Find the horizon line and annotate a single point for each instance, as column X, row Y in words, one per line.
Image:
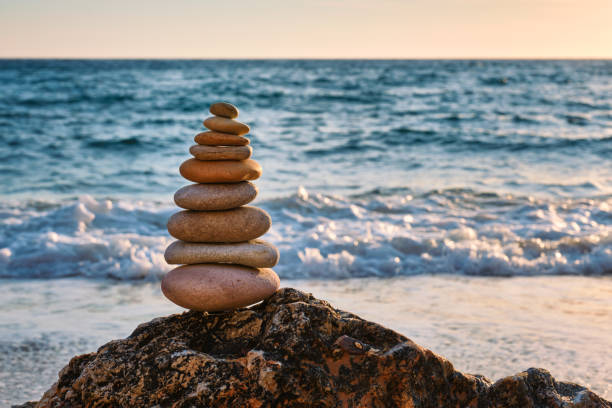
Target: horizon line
column 308, row 58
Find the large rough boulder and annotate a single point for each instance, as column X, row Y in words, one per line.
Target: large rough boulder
column 293, row 350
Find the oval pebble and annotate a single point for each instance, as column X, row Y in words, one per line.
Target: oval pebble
column 225, row 125
column 256, row 253
column 210, row 138
column 220, row 171
column 211, row 197
column 224, row 109
column 201, row 152
column 237, row 225
column 215, row 287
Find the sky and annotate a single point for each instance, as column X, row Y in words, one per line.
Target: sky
column 306, row 29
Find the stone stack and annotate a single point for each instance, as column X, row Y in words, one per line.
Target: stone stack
column 225, row 266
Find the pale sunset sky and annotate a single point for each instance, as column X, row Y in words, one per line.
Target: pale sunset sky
column 306, row 29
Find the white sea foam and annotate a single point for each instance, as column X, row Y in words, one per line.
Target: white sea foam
column 323, row 236
column 86, row 237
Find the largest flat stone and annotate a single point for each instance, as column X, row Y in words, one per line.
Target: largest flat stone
column 220, row 171
column 213, row 287
column 211, row 197
column 237, row 225
column 257, row 253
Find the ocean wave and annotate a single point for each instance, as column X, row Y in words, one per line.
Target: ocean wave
column 101, row 127
column 486, row 140
column 577, row 120
column 121, row 129
column 524, row 119
column 115, row 143
column 495, row 81
column 69, row 98
column 384, row 232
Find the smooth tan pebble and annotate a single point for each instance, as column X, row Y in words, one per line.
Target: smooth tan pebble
column 210, row 138
column 215, row 287
column 237, row 225
column 227, row 110
column 210, row 197
column 220, row 171
column 226, row 126
column 256, row 253
column 201, row 152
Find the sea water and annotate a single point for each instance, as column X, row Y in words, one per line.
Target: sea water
column 466, row 204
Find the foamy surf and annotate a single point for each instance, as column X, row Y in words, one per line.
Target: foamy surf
column 381, row 233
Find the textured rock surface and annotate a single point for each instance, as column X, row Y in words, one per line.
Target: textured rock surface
column 292, row 351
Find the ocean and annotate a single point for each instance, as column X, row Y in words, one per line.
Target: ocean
column 466, row 204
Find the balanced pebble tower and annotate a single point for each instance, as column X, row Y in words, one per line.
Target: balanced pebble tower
column 224, row 265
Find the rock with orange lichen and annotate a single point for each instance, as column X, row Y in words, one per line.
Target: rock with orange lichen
column 292, row 350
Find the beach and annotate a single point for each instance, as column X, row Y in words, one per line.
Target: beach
column 465, row 204
column 491, row 326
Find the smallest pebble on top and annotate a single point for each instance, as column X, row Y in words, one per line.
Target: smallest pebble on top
column 224, row 109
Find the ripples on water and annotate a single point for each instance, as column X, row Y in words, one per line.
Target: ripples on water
column 320, row 236
column 371, row 168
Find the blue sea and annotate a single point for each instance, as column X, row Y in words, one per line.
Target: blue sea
column 467, row 204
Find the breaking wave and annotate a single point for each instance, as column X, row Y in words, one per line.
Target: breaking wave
column 380, row 233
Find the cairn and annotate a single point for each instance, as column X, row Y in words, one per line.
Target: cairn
column 224, row 265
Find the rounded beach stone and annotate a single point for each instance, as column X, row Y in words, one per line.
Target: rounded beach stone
column 227, row 110
column 210, row 138
column 237, row 225
column 220, row 171
column 214, row 287
column 256, row 253
column 226, row 126
column 211, row 197
column 201, row 152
